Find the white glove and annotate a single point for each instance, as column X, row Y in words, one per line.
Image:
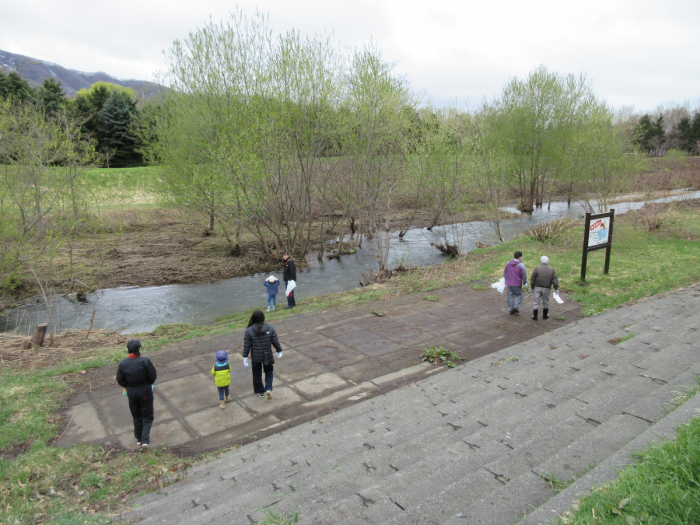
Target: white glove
column 279, row 355
column 245, row 361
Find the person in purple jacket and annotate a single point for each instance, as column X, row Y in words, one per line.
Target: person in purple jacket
column 515, row 275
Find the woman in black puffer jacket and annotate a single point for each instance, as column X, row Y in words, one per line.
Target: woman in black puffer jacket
column 259, row 339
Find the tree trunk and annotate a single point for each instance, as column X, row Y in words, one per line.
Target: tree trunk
column 38, row 337
column 262, row 239
column 340, row 241
column 358, row 238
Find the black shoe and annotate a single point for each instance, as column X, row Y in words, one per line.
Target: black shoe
column 545, row 313
column 288, row 306
column 511, row 312
column 516, row 311
column 534, row 315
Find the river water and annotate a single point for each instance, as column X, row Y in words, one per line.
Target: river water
column 135, row 309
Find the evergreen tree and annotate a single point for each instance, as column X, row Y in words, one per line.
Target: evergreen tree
column 649, row 134
column 50, row 97
column 695, row 133
column 116, row 139
column 15, row 87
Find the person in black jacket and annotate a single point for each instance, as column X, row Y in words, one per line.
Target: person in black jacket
column 137, row 374
column 258, row 341
column 290, row 274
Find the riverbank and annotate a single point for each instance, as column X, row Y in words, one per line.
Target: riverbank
column 33, row 390
column 129, row 237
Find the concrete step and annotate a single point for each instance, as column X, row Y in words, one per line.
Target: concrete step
column 194, row 489
column 256, row 466
column 512, row 464
column 272, row 485
column 477, row 440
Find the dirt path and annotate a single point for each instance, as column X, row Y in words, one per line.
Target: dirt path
column 330, row 361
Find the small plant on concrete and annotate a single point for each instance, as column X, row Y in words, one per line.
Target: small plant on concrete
column 479, row 287
column 618, row 340
column 684, row 396
column 433, row 298
column 555, row 483
column 505, row 360
column 440, row 355
column 560, row 318
column 378, row 314
column 272, row 517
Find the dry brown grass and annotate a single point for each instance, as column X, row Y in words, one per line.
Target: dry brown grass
column 68, row 346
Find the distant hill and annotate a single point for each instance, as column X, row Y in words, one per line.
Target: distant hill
column 35, row 71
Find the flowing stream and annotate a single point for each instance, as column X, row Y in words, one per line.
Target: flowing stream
column 135, row 309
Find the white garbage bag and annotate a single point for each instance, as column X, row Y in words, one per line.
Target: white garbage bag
column 500, row 285
column 557, row 298
column 290, row 287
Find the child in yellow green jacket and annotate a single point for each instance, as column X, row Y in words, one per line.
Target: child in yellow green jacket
column 222, row 376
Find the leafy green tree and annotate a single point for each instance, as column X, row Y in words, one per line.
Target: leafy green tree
column 116, row 141
column 15, row 87
column 378, row 142
column 41, row 162
column 534, row 117
column 601, row 159
column 98, row 92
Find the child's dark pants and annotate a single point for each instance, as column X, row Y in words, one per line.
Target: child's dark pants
column 223, row 391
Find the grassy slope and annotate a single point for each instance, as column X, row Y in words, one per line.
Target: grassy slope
column 120, row 187
column 662, row 487
column 642, row 265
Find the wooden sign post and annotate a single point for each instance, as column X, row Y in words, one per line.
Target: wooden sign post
column 598, row 235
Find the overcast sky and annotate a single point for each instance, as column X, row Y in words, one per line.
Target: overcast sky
column 637, row 52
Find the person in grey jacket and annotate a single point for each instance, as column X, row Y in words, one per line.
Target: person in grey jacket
column 258, row 340
column 542, row 280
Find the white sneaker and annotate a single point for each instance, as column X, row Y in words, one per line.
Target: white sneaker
column 144, row 447
column 268, row 394
column 268, row 308
column 273, row 308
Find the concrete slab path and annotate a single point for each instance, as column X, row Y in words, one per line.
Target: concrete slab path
column 331, row 360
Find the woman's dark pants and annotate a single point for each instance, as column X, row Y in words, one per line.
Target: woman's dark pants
column 257, row 377
column 290, row 300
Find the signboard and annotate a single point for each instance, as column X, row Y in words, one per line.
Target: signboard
column 598, row 235
column 598, row 232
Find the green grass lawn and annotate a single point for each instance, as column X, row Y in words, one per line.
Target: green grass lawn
column 662, row 487
column 88, row 478
column 121, row 187
column 641, row 265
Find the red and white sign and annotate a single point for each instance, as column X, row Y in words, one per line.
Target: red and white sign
column 598, row 234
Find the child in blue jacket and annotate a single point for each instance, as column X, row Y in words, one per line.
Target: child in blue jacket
column 272, row 284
